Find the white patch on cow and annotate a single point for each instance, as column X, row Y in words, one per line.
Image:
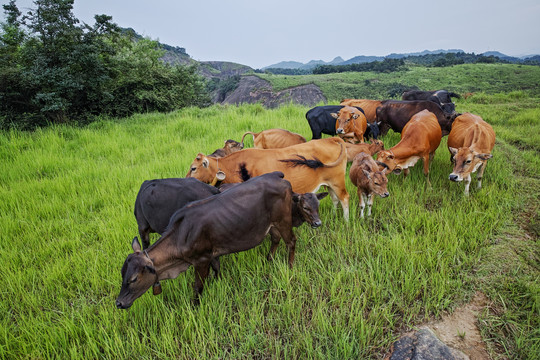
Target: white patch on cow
column 477, row 166
column 410, row 162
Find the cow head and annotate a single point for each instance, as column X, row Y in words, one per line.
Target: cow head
column 376, row 146
column 388, row 159
column 308, row 206
column 200, row 169
column 466, row 161
column 373, row 130
column 377, row 181
column 138, row 275
column 345, row 119
column 232, row 146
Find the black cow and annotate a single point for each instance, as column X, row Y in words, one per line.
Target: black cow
column 158, row 199
column 394, row 114
column 322, row 122
column 236, row 220
column 441, row 97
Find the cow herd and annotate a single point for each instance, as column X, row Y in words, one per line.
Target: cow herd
column 231, row 199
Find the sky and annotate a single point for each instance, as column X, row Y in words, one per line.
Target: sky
column 262, row 33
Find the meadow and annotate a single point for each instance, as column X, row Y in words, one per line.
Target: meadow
column 66, row 214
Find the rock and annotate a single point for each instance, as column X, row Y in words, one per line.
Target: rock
column 424, row 345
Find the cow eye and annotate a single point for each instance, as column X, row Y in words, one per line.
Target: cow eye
column 133, row 280
column 193, row 169
column 468, row 162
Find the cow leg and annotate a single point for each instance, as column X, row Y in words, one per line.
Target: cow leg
column 275, row 236
column 144, row 232
column 467, row 182
column 362, row 203
column 426, row 161
column 369, row 203
column 405, row 172
column 201, row 273
column 333, row 195
column 480, row 175
column 340, row 192
column 215, row 266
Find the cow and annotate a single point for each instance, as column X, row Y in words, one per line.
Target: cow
column 442, row 96
column 230, row 147
column 369, row 107
column 371, row 148
column 158, row 199
column 322, row 122
column 307, row 166
column 420, row 138
column 368, row 179
column 236, row 220
column 470, row 144
column 350, row 120
column 274, row 139
column 394, row 114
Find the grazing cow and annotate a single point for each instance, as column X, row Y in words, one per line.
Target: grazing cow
column 368, row 179
column 420, row 138
column 369, row 107
column 395, row 114
column 322, row 122
column 230, row 147
column 350, row 120
column 442, row 96
column 470, row 144
column 233, row 221
column 274, row 139
column 158, row 199
column 307, row 166
column 371, row 148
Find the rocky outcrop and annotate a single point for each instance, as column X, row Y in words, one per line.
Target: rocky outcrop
column 252, row 90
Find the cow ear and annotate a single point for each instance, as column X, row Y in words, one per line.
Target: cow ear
column 452, row 150
column 366, row 173
column 484, row 156
column 135, row 245
column 295, row 197
column 205, row 162
column 334, row 115
column 355, row 116
column 322, row 195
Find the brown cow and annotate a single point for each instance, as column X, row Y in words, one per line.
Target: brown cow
column 307, row 166
column 236, row 220
column 368, row 179
column 369, row 107
column 351, row 120
column 274, row 139
column 230, row 147
column 470, row 144
column 420, row 138
column 371, row 148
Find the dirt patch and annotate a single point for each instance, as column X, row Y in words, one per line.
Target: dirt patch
column 252, row 89
column 459, row 330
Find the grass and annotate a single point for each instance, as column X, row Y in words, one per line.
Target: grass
column 66, row 214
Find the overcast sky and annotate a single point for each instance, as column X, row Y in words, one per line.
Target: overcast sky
column 261, row 33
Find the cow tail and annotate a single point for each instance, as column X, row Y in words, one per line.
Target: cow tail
column 246, row 133
column 339, row 160
column 453, row 94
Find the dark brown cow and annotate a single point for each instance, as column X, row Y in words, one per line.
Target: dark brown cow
column 420, row 138
column 368, row 179
column 274, row 139
column 230, row 147
column 236, row 220
column 371, row 148
column 351, row 120
column 470, row 144
column 395, row 114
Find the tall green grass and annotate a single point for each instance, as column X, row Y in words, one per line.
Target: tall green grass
column 66, row 215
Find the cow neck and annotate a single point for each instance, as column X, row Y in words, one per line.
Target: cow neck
column 164, row 257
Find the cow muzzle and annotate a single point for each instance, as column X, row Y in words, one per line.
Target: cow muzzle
column 386, row 194
column 316, row 224
column 121, row 305
column 340, row 131
column 454, row 177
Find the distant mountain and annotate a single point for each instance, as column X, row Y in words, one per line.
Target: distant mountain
column 366, row 59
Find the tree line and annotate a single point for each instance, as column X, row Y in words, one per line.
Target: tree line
column 54, row 69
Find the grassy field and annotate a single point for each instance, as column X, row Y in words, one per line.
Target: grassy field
column 486, row 78
column 66, row 214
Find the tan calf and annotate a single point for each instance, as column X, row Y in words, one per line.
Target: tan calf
column 351, row 120
column 274, row 139
column 370, row 148
column 369, row 107
column 368, row 179
column 420, row 138
column 470, row 143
